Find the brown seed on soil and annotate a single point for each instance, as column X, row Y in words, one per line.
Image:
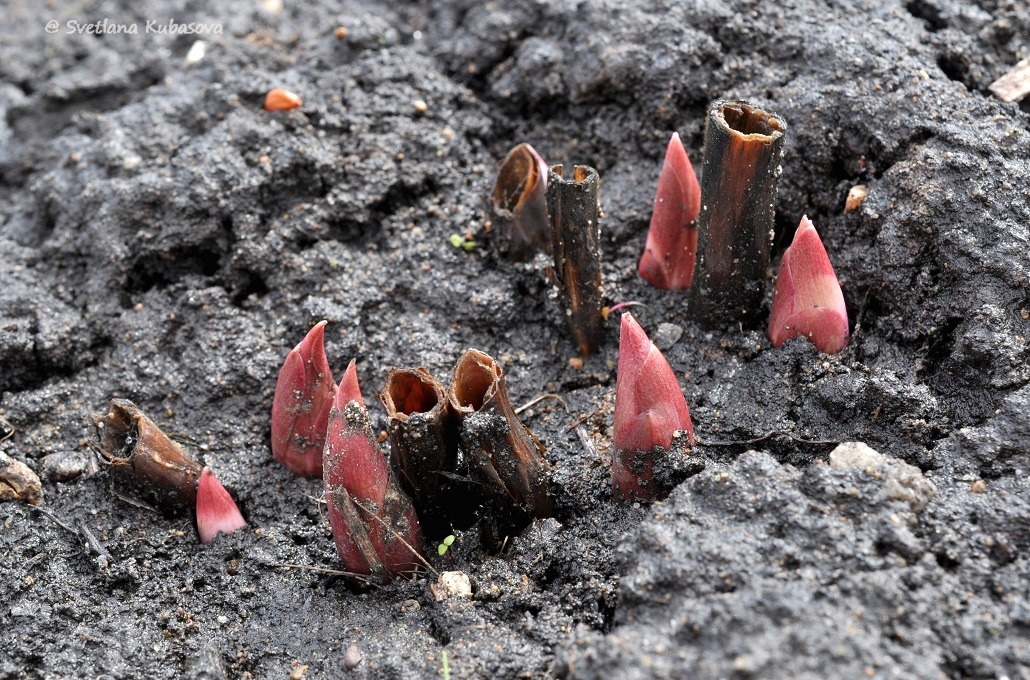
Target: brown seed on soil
column 281, row 100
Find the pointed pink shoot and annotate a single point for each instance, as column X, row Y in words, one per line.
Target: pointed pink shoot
column 300, row 410
column 216, row 510
column 352, row 459
column 649, row 409
column 668, row 259
column 349, row 390
column 808, row 300
column 374, row 524
column 649, row 404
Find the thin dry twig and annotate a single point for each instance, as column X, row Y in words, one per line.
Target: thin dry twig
column 768, row 435
column 134, row 502
column 537, row 400
column 582, row 420
column 11, row 429
column 53, row 517
column 396, row 535
column 324, row 570
column 94, row 543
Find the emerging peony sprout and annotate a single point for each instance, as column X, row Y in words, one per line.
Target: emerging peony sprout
column 349, row 390
column 519, row 203
column 649, row 409
column 216, row 510
column 808, row 300
column 668, row 259
column 300, row 410
column 374, row 524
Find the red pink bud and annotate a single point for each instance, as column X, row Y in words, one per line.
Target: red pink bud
column 216, row 510
column 649, row 409
column 349, row 390
column 300, row 410
column 808, row 300
column 668, row 260
column 374, row 524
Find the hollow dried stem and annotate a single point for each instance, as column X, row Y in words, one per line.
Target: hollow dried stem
column 505, row 456
column 575, row 211
column 742, row 155
column 138, row 450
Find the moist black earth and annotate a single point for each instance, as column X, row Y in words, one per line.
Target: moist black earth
column 166, row 240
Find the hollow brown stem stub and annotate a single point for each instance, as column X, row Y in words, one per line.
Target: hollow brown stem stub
column 422, row 444
column 137, row 449
column 518, row 205
column 505, row 457
column 742, row 153
column 575, row 211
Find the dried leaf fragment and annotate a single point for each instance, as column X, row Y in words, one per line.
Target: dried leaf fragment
column 18, row 482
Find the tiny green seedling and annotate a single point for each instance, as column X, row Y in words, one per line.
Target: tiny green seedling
column 446, row 661
column 447, row 543
column 459, row 241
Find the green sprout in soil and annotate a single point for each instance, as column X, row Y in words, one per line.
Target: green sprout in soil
column 459, row 241
column 447, row 542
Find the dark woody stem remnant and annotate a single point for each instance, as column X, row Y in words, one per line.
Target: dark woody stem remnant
column 519, row 205
column 742, row 154
column 505, row 457
column 137, row 449
column 575, row 210
column 423, row 444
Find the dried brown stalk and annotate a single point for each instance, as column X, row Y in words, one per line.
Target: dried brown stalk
column 138, row 450
column 575, row 211
column 742, row 154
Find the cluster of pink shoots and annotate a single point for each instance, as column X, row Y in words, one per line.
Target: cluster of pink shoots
column 807, row 300
column 321, row 430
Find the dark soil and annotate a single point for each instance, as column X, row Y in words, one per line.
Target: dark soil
column 165, row 240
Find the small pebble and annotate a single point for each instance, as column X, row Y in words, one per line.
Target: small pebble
column 351, row 658
column 196, row 53
column 451, row 584
column 65, row 465
column 420, row 105
column 667, row 335
column 855, row 198
column 979, row 486
column 341, row 33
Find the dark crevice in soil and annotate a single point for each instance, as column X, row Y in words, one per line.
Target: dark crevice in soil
column 928, row 13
